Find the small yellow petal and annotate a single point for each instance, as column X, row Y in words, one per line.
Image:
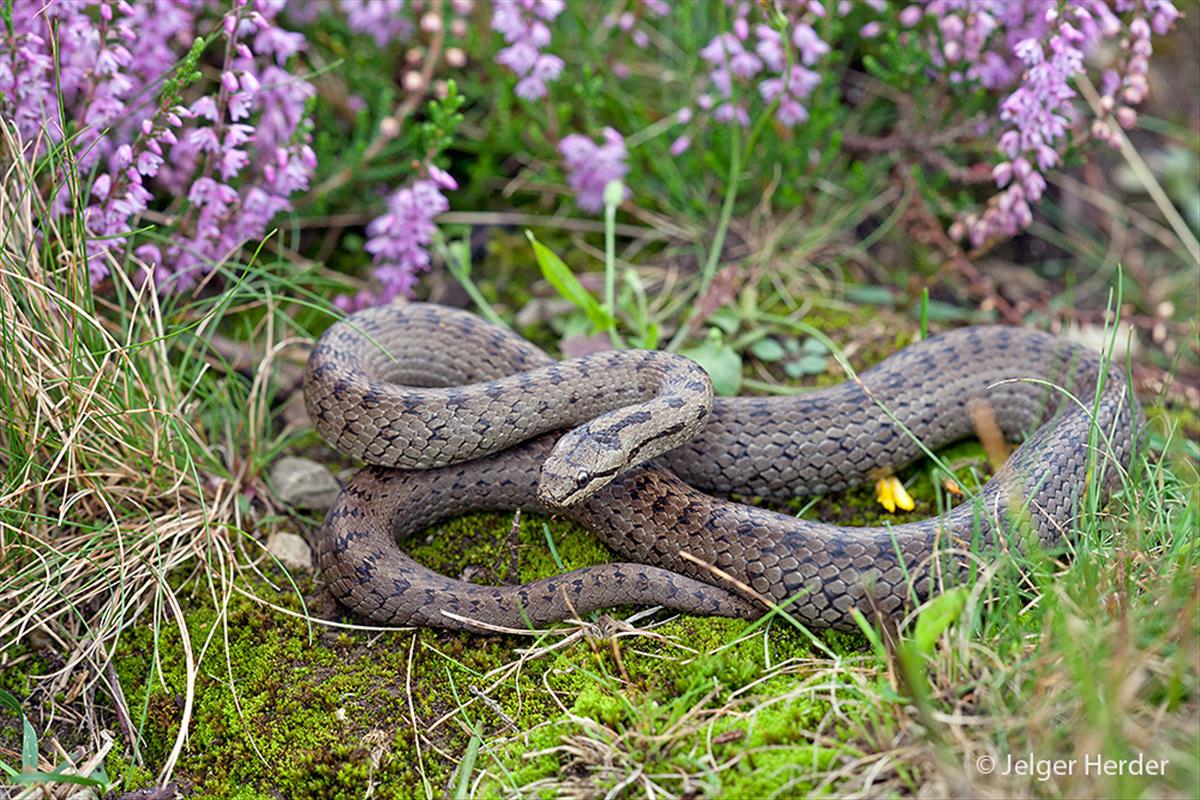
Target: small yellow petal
column 891, row 494
column 884, row 493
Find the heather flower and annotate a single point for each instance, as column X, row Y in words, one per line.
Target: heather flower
column 1050, row 48
column 811, row 48
column 590, row 166
column 399, row 239
column 522, row 23
column 384, row 20
column 236, row 154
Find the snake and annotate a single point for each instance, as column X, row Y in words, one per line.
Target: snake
column 454, row 414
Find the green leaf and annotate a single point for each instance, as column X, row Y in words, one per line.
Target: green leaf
column 568, row 286
column 29, row 744
column 870, row 294
column 649, row 340
column 722, row 363
column 726, row 319
column 815, row 345
column 936, row 617
column 466, row 767
column 808, row 364
column 768, row 350
column 938, row 311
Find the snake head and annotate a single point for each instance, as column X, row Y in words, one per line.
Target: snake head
column 580, row 465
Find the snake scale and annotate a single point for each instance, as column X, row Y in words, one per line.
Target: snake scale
column 455, row 414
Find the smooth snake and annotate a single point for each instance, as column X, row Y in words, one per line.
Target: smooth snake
column 455, row 414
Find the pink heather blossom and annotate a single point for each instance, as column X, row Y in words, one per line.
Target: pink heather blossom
column 1047, row 44
column 632, row 21
column 811, row 48
column 590, row 166
column 399, row 240
column 522, row 23
column 112, row 58
column 384, row 20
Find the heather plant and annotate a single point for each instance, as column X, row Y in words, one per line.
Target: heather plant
column 183, row 100
column 198, row 118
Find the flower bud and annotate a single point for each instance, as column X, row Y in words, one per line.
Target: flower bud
column 1002, row 173
column 1126, row 117
column 910, row 16
column 431, row 22
column 614, row 193
column 455, row 57
column 413, row 82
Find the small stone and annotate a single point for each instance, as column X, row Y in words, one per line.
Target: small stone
column 303, row 483
column 291, row 550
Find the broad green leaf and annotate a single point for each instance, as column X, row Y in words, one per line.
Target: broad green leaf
column 936, row 617
column 568, row 286
column 722, row 363
column 726, row 319
column 809, row 364
column 768, row 350
column 815, row 345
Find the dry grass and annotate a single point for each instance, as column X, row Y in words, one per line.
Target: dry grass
column 110, row 481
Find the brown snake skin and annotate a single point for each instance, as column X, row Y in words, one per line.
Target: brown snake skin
column 480, row 441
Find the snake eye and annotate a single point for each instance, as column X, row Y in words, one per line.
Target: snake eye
column 581, row 477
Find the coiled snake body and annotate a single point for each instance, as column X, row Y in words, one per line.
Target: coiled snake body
column 459, row 415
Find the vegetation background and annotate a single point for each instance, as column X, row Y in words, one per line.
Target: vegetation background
column 161, row 631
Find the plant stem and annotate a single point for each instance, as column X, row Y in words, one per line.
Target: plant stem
column 718, row 242
column 610, row 272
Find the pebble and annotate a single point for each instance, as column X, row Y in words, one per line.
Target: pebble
column 291, row 550
column 303, row 483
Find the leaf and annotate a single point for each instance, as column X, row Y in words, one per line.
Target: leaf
column 936, row 617
column 808, row 364
column 649, row 340
column 870, row 294
column 568, row 286
column 29, row 744
column 938, row 311
column 722, row 363
column 726, row 319
column 815, row 345
column 768, row 350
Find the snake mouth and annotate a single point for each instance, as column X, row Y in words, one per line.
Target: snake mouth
column 562, row 491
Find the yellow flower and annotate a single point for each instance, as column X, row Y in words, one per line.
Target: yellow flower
column 891, row 494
